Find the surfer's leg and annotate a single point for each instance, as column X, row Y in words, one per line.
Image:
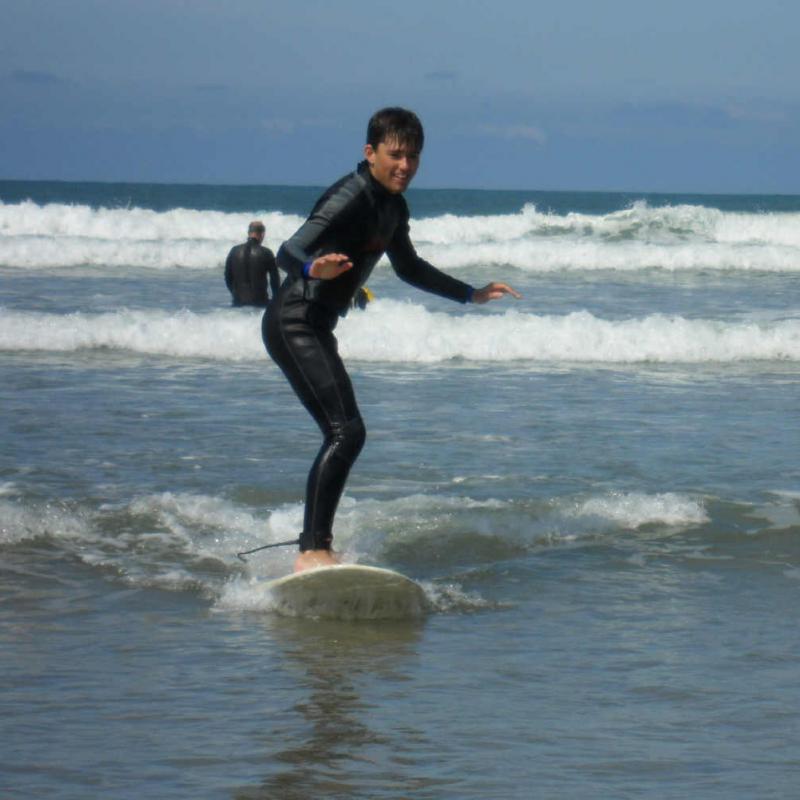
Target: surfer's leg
column 307, row 354
column 326, row 480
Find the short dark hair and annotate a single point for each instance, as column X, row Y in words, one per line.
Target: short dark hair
column 396, row 123
column 256, row 226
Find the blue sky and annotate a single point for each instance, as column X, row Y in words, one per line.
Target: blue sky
column 682, row 96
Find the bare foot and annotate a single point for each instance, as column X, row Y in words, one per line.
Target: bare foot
column 311, row 559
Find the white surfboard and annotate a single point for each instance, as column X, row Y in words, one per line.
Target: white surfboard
column 348, row 591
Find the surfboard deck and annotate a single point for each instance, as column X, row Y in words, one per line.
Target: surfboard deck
column 348, row 591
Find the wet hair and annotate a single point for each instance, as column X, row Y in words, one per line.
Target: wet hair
column 256, row 227
column 396, row 123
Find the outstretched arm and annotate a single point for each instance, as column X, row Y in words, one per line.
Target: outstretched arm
column 418, row 272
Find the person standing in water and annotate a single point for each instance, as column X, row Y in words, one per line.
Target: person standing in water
column 247, row 267
column 330, row 257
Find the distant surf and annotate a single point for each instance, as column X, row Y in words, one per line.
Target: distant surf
column 673, row 238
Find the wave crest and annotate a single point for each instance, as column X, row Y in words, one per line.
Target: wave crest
column 681, row 237
column 391, row 331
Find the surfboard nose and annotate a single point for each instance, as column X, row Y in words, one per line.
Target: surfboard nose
column 348, row 592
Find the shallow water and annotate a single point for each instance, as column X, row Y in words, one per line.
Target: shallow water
column 597, row 487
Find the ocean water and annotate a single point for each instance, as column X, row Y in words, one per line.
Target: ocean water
column 597, row 485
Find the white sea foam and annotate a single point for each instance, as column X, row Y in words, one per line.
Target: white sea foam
column 60, row 235
column 665, row 224
column 634, row 509
column 682, row 237
column 20, row 522
column 184, row 541
column 216, row 528
column 167, row 524
column 589, row 254
column 392, row 331
column 222, row 335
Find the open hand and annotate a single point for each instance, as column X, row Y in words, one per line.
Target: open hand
column 493, row 291
column 330, row 266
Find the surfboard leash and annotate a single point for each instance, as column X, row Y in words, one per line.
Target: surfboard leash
column 241, row 556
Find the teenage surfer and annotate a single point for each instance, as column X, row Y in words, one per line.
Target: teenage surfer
column 247, row 267
column 328, row 260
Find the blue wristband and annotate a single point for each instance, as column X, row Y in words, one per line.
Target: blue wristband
column 471, row 292
column 307, row 268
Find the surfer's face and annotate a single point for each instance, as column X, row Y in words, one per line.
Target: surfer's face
column 392, row 164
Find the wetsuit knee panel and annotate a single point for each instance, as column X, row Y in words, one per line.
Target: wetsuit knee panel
column 348, row 439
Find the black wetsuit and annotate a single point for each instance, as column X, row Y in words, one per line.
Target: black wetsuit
column 246, row 270
column 361, row 219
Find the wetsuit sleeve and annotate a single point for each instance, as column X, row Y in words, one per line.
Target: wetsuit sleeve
column 418, row 272
column 274, row 277
column 332, row 210
column 229, row 270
